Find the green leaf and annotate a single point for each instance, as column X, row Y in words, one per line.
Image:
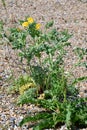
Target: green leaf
column 80, row 52
column 47, row 123
column 79, row 79
column 38, row 116
column 49, row 24
column 28, row 97
column 68, row 116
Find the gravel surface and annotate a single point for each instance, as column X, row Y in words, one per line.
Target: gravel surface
column 67, row 14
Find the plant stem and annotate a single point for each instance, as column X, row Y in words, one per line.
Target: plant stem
column 40, row 61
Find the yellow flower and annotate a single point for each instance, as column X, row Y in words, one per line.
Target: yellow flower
column 38, row 25
column 25, row 24
column 42, row 96
column 30, row 20
column 25, row 87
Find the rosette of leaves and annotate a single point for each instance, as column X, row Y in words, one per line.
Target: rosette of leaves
column 72, row 113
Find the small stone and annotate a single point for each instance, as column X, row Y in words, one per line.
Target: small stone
column 81, row 94
column 1, row 110
column 12, row 119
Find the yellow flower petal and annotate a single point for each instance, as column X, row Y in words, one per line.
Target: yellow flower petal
column 42, row 96
column 25, row 24
column 38, row 25
column 30, row 20
column 25, row 87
